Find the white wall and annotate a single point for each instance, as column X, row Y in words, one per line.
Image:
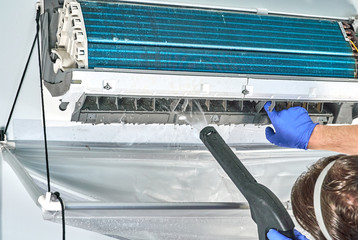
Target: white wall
column 18, row 30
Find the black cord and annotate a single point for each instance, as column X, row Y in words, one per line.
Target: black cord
column 20, row 85
column 42, row 100
column 57, row 194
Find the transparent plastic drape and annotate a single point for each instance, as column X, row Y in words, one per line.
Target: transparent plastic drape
column 157, row 192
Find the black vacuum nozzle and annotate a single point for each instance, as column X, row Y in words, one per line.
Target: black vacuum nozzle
column 266, row 209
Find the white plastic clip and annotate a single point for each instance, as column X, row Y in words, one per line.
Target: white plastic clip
column 262, row 11
column 40, row 5
column 47, row 203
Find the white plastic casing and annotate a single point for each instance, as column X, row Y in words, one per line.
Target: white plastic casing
column 71, row 48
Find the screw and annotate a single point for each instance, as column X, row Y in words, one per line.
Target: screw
column 245, row 92
column 107, row 87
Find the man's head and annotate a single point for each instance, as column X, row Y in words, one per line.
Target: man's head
column 339, row 198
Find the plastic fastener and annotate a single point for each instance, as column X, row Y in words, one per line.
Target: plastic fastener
column 48, row 204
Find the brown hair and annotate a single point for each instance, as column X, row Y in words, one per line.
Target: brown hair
column 339, row 198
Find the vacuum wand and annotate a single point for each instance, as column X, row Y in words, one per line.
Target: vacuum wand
column 266, row 209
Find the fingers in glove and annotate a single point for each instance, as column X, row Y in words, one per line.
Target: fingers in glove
column 270, row 135
column 299, row 236
column 267, row 109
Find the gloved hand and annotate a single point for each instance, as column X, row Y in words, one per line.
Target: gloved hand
column 275, row 235
column 293, row 127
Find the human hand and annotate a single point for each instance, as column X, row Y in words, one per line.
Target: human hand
column 275, row 235
column 293, row 127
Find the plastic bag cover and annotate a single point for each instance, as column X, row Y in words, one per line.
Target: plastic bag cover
column 147, row 176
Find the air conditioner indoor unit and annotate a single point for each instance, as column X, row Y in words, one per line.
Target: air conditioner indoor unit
column 147, row 63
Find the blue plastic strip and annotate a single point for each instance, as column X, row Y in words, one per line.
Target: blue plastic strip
column 179, row 39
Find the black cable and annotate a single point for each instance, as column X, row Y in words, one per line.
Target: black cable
column 57, row 194
column 22, row 80
column 42, row 100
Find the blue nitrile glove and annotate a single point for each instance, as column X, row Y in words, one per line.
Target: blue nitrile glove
column 275, row 235
column 293, row 127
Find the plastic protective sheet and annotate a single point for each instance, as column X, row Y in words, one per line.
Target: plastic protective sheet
column 158, row 192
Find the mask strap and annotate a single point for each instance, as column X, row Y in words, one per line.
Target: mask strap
column 317, row 200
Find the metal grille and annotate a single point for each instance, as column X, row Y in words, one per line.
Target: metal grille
column 139, row 110
column 178, row 39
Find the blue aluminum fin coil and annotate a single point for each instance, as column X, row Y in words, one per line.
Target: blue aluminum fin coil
column 179, row 39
